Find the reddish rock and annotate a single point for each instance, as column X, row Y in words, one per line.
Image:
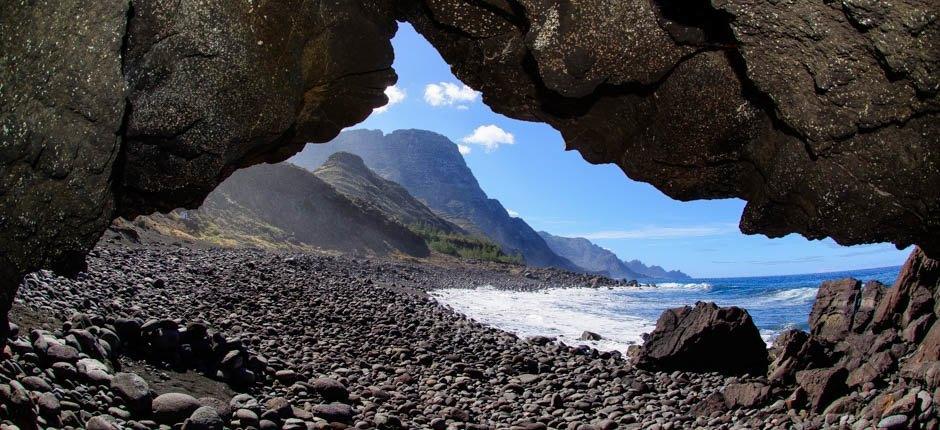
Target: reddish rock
column 926, row 355
column 834, row 309
column 870, row 370
column 704, row 338
column 795, row 350
column 822, row 386
column 872, row 293
column 714, row 402
column 908, row 297
column 746, row 395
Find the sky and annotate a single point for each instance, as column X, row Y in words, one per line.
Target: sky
column 525, row 166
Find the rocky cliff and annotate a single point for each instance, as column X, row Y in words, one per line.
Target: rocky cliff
column 429, row 166
column 348, row 175
column 591, row 257
column 281, row 205
column 822, row 116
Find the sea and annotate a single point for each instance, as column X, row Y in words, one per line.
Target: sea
column 622, row 314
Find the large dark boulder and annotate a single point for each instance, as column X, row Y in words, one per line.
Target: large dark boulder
column 704, row 338
column 822, row 386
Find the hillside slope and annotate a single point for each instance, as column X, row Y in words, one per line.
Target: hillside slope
column 430, row 167
column 275, row 205
column 348, row 175
column 591, row 257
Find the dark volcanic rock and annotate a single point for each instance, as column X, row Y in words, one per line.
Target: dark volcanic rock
column 705, row 338
column 789, row 98
column 795, row 350
column 172, row 408
column 823, row 117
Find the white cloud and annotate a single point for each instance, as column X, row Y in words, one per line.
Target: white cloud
column 513, row 213
column 654, row 232
column 464, row 149
column 489, row 137
column 395, row 96
column 449, row 94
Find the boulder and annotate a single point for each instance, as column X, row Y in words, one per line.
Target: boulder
column 329, row 388
column 333, row 412
column 204, row 418
column 173, row 408
column 704, row 338
column 134, row 390
column 795, row 350
column 822, row 386
column 908, row 298
column 872, row 292
column 714, row 402
column 589, row 335
column 746, row 395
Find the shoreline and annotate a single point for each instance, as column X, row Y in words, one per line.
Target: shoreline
column 371, row 326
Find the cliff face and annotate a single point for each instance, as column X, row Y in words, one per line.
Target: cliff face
column 348, row 174
column 429, row 166
column 280, row 204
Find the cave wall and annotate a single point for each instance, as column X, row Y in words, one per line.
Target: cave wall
column 823, row 116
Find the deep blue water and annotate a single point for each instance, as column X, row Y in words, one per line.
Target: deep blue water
column 774, row 302
column 621, row 315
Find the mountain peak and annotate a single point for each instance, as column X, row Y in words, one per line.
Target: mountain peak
column 429, row 166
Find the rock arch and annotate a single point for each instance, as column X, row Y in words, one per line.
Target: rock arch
column 824, row 117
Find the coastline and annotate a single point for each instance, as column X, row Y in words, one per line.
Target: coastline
column 370, row 325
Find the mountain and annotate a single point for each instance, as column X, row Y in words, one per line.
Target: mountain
column 591, row 257
column 431, row 169
column 655, row 271
column 586, row 254
column 278, row 205
column 348, row 175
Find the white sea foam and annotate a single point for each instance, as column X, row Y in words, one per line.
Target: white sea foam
column 701, row 286
column 795, row 295
column 563, row 313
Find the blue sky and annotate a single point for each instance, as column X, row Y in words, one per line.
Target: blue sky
column 525, row 166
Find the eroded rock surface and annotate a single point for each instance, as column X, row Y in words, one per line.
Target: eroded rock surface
column 823, row 116
column 864, row 338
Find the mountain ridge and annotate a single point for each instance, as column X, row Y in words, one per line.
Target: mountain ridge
column 592, row 257
column 430, row 167
column 282, row 205
column 349, row 175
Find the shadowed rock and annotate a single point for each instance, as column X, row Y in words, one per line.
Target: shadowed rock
column 822, row 116
column 704, row 338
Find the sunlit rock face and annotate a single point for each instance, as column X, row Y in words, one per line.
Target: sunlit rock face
column 823, row 116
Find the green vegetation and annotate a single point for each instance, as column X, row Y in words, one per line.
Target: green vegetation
column 463, row 246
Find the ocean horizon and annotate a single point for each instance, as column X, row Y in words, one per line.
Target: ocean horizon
column 621, row 315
